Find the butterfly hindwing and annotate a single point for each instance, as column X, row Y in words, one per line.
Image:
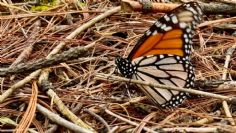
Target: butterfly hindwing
column 170, row 70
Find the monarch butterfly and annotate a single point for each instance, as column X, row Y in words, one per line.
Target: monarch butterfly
column 162, row 55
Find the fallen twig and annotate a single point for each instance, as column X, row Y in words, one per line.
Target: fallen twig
column 99, row 118
column 65, row 111
column 42, row 63
column 116, row 78
column 128, row 121
column 60, row 121
column 192, row 129
column 225, row 71
column 208, row 8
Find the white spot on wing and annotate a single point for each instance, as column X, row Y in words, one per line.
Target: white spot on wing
column 174, row 19
column 163, row 26
column 161, row 56
column 148, row 33
column 188, row 30
column 168, row 28
column 158, row 24
column 154, row 32
column 167, row 18
column 182, row 25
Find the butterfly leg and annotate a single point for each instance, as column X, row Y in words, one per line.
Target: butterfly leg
column 127, row 91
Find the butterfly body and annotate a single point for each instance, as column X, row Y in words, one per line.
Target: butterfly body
column 162, row 55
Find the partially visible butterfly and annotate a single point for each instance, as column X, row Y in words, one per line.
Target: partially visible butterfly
column 162, row 55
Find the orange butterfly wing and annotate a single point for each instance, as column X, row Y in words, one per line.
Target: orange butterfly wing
column 168, row 43
column 171, row 34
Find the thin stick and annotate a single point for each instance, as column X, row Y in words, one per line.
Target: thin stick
column 60, row 121
column 224, row 20
column 99, row 118
column 116, row 78
column 229, row 53
column 128, row 121
column 228, row 113
column 42, row 63
column 212, row 8
column 224, row 76
column 191, row 129
column 27, row 79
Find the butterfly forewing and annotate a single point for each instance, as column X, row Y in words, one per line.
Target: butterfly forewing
column 171, row 34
